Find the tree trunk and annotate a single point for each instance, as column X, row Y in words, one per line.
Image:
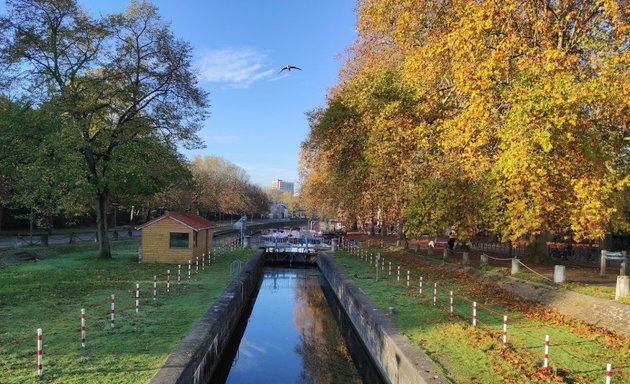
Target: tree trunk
column 538, row 247
column 104, row 250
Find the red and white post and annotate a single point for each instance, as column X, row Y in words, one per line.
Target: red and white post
column 39, row 352
column 408, row 277
column 608, row 373
column 434, row 293
column 546, row 357
column 450, row 296
column 113, row 316
column 83, row 327
column 154, row 287
column 389, row 273
column 196, row 264
column 504, row 331
column 420, row 286
column 189, row 268
column 137, row 298
column 398, row 274
column 168, row 280
column 474, row 319
column 179, row 273
column 203, row 261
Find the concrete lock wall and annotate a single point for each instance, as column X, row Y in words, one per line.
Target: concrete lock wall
column 399, row 361
column 195, row 359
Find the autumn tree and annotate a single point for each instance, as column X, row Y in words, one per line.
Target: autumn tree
column 113, row 80
column 501, row 115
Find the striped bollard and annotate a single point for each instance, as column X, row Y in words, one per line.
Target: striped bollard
column 450, row 295
column 546, row 356
column 420, row 286
column 189, row 267
column 608, row 373
column 196, row 264
column 434, row 293
column 83, row 327
column 371, row 259
column 203, row 261
column 383, row 264
column 179, row 273
column 504, row 331
column 137, row 298
column 168, row 280
column 389, row 272
column 113, row 316
column 408, row 277
column 39, row 352
column 154, row 287
column 474, row 319
column 398, row 274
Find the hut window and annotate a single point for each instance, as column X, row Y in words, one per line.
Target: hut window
column 178, row 240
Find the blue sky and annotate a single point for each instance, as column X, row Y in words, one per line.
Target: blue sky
column 257, row 115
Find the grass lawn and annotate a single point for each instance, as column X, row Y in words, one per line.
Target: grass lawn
column 50, row 293
column 578, row 351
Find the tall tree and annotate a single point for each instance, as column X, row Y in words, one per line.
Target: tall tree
column 113, row 80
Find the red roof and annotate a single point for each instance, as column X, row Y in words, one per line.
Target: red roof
column 195, row 222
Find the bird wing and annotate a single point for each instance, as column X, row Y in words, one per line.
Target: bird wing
column 294, row 67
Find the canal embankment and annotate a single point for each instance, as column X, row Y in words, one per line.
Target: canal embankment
column 196, row 358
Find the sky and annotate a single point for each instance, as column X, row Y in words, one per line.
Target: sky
column 257, row 115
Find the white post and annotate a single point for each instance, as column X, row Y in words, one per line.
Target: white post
column 474, row 319
column 546, row 357
column 602, row 263
column 515, row 266
column 623, row 286
column 608, row 373
column 168, row 280
column 559, row 274
column 450, row 295
column 137, row 298
column 39, row 352
column 420, row 286
column 408, row 277
column 83, row 327
column 154, row 287
column 113, row 317
column 434, row 293
column 504, row 331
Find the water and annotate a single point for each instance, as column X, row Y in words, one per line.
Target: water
column 292, row 336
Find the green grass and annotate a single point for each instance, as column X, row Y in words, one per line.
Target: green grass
column 50, row 293
column 466, row 354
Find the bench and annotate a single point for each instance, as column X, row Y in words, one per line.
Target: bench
column 613, row 256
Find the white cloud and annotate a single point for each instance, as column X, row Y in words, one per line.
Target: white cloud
column 238, row 67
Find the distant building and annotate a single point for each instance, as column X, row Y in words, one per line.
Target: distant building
column 283, row 186
column 278, row 211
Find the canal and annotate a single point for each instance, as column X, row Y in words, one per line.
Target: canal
column 295, row 333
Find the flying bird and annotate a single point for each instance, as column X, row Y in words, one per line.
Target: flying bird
column 289, row 68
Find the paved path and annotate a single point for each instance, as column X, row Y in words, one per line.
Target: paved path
column 593, row 310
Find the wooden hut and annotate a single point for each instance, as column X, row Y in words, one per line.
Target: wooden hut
column 176, row 237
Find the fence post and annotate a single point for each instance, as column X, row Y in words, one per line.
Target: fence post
column 113, row 317
column 434, row 293
column 39, row 352
column 546, row 356
column 559, row 274
column 602, row 263
column 504, row 331
column 137, row 298
column 83, row 327
column 474, row 318
column 608, row 372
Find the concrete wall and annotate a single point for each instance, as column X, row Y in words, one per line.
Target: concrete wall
column 195, row 359
column 399, row 361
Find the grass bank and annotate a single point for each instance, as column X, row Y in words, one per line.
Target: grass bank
column 578, row 352
column 50, row 293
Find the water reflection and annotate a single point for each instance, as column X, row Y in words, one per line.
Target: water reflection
column 291, row 335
